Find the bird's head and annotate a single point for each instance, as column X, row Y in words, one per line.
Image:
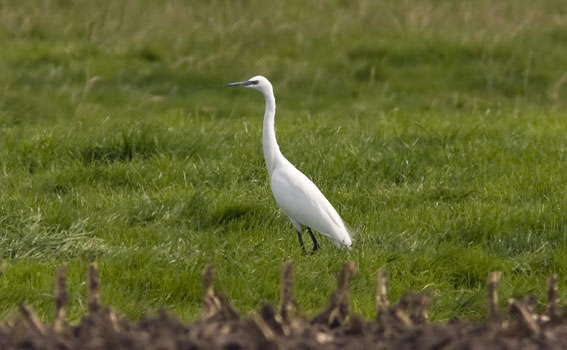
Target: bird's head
column 257, row 83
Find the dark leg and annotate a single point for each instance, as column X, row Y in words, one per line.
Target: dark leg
column 315, row 244
column 300, row 241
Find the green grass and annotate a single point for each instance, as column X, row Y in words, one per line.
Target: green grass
column 436, row 128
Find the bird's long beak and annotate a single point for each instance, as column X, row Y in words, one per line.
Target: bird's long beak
column 241, row 83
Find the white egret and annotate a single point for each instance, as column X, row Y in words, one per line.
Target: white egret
column 295, row 194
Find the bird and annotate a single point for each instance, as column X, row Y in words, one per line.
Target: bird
column 296, row 195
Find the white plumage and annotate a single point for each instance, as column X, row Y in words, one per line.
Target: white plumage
column 295, row 193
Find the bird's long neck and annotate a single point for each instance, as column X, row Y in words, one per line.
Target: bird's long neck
column 272, row 154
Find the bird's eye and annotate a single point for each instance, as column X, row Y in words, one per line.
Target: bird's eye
column 255, row 82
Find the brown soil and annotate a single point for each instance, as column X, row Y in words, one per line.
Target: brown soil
column 401, row 326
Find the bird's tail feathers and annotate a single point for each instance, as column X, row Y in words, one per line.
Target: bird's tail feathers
column 345, row 240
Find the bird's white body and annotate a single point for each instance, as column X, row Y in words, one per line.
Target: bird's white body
column 305, row 205
column 295, row 193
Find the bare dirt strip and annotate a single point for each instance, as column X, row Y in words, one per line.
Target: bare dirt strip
column 401, row 326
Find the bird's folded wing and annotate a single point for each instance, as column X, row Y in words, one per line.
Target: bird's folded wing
column 301, row 200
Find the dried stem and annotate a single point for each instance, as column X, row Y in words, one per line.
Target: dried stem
column 412, row 308
column 492, row 284
column 93, row 292
column 288, row 302
column 32, row 318
column 420, row 303
column 403, row 318
column 344, row 278
column 213, row 304
column 208, row 277
column 113, row 319
column 263, row 327
column 382, row 291
column 523, row 315
column 60, row 299
column 336, row 311
column 552, row 297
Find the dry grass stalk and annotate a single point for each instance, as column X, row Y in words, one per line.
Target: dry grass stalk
column 492, row 284
column 552, row 298
column 343, row 284
column 386, row 315
column 208, row 276
column 214, row 306
column 382, row 291
column 93, row 289
column 60, row 299
column 266, row 328
column 403, row 318
column 113, row 319
column 211, row 304
column 263, row 327
column 337, row 311
column 32, row 318
column 419, row 305
column 288, row 302
column 411, row 309
column 520, row 313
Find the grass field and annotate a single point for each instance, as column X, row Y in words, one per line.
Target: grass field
column 436, row 128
